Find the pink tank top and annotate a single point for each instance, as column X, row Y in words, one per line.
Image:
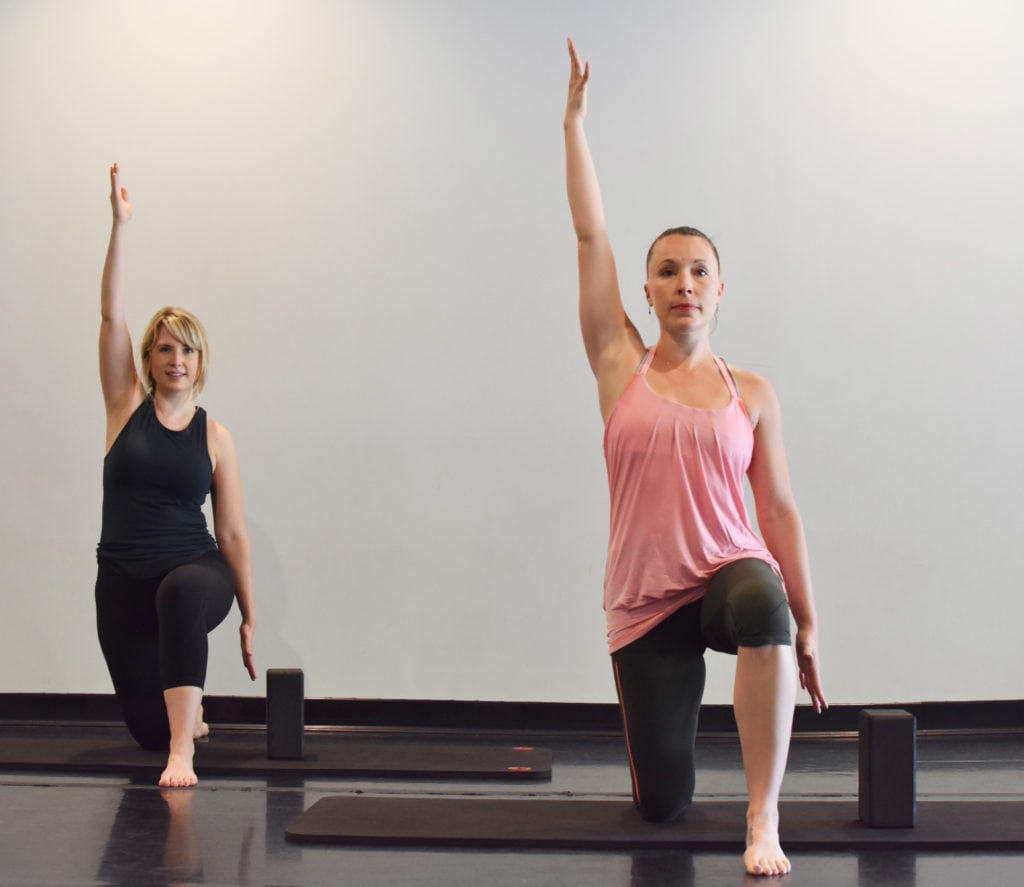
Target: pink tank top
column 676, row 479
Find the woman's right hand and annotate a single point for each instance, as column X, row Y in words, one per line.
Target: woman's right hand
column 613, row 345
column 579, row 75
column 122, row 390
column 119, row 197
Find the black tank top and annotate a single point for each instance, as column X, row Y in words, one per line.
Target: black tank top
column 154, row 484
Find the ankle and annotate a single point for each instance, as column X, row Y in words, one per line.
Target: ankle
column 183, row 746
column 761, row 820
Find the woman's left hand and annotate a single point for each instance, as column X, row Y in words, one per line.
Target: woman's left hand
column 246, row 631
column 807, row 661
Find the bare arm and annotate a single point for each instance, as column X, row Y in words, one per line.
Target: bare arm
column 613, row 345
column 781, row 526
column 122, row 390
column 231, row 534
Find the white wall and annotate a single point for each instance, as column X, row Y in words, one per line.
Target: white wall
column 364, row 201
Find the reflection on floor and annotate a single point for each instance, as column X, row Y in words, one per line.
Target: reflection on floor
column 80, row 830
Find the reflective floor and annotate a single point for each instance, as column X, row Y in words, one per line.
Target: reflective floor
column 85, row 830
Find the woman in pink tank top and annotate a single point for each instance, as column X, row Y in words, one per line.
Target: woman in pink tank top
column 685, row 570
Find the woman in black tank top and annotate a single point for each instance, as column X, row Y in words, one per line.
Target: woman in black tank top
column 163, row 581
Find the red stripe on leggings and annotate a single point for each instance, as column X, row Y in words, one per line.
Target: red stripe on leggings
column 625, row 729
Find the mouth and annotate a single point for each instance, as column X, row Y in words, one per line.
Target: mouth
column 684, row 308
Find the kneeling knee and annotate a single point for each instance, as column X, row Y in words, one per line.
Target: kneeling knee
column 150, row 736
column 662, row 809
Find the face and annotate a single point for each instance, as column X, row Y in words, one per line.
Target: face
column 683, row 286
column 173, row 365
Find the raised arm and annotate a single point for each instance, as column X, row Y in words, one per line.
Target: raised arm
column 122, row 390
column 612, row 343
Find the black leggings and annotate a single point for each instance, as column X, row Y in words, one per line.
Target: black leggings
column 153, row 636
column 660, row 678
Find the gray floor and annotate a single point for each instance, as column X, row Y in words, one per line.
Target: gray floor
column 81, row 830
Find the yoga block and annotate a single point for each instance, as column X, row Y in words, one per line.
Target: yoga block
column 285, row 713
column 888, row 768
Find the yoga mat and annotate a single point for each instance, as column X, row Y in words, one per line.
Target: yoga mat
column 613, row 825
column 326, row 755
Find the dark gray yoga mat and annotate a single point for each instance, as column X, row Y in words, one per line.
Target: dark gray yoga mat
column 579, row 824
column 325, row 755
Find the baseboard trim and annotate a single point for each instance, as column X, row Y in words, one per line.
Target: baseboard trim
column 999, row 716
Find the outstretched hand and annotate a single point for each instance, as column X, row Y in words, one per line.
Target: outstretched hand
column 579, row 75
column 119, row 197
column 246, row 631
column 807, row 662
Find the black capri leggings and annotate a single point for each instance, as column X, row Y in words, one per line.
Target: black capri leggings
column 153, row 636
column 660, row 678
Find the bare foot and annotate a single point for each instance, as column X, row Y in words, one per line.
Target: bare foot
column 179, row 773
column 764, row 854
column 201, row 728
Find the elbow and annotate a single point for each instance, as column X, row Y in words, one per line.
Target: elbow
column 231, row 538
column 781, row 514
column 588, row 239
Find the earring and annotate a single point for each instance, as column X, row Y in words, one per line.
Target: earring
column 648, row 309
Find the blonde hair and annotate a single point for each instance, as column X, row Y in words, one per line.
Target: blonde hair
column 186, row 328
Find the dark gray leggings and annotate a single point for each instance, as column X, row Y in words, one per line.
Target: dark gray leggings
column 153, row 636
column 660, row 678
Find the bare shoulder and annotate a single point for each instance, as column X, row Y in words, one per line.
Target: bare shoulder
column 757, row 394
column 219, row 442
column 216, row 430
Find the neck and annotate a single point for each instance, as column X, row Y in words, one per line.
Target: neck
column 173, row 403
column 686, row 350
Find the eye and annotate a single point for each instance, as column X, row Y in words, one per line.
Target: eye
column 701, row 272
column 189, row 350
column 668, row 272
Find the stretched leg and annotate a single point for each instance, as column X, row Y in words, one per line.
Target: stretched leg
column 191, row 601
column 660, row 682
column 764, row 698
column 183, row 704
column 745, row 612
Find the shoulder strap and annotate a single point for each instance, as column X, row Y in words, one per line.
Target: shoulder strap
column 730, row 379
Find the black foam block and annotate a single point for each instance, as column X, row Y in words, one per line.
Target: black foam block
column 887, row 774
column 551, row 823
column 286, row 723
